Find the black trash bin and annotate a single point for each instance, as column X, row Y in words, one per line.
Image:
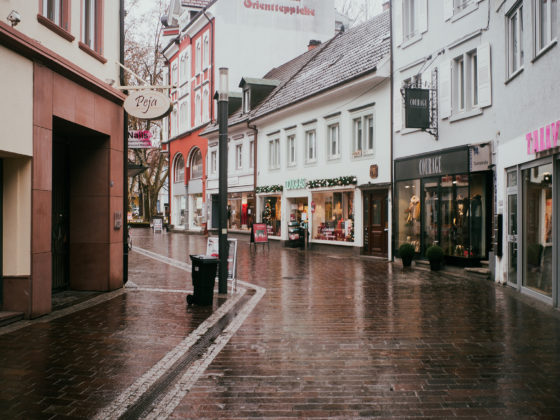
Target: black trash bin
column 203, row 277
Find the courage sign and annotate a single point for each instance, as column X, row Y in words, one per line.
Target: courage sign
column 147, row 105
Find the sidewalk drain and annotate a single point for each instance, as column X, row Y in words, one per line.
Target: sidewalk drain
column 150, row 398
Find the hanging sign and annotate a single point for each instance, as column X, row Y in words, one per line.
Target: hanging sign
column 148, row 105
column 417, row 108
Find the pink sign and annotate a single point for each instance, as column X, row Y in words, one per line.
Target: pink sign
column 543, row 139
column 139, row 139
column 279, row 8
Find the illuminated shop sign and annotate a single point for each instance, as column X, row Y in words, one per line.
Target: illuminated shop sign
column 455, row 161
column 543, row 139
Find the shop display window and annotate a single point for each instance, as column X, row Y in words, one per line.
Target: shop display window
column 241, row 210
column 537, row 228
column 409, row 213
column 197, row 204
column 272, row 215
column 333, row 219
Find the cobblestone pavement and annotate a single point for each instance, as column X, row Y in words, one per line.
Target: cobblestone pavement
column 311, row 335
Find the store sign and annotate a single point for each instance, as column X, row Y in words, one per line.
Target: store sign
column 373, row 171
column 417, row 108
column 481, row 157
column 140, row 139
column 148, row 105
column 455, row 161
column 545, row 138
column 279, row 7
column 296, row 184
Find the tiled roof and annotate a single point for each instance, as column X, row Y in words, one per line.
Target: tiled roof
column 196, row 3
column 348, row 55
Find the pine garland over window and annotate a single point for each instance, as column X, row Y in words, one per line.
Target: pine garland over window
column 269, row 189
column 332, row 182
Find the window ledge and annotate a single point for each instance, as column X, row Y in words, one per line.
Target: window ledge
column 466, row 11
column 405, row 131
column 410, row 41
column 55, row 28
column 465, row 114
column 333, row 158
column 514, row 75
column 545, row 50
column 86, row 48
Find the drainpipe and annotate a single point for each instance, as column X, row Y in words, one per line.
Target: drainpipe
column 125, row 153
column 393, row 212
column 255, row 142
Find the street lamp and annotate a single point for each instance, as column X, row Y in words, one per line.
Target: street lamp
column 223, row 88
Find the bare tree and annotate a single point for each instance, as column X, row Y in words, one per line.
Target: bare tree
column 143, row 56
column 358, row 10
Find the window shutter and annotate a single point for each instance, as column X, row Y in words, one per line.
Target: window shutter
column 397, row 110
column 423, row 15
column 484, row 76
column 445, row 89
column 447, row 9
column 397, row 27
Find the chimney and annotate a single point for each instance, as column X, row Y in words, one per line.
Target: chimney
column 386, row 5
column 312, row 44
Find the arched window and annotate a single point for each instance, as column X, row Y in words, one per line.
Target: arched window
column 206, row 50
column 205, row 105
column 196, row 164
column 179, row 169
column 197, row 109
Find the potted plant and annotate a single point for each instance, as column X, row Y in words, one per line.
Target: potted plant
column 406, row 252
column 434, row 254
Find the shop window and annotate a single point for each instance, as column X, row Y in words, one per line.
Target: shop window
column 92, row 24
column 333, row 140
column 179, row 169
column 545, row 23
column 409, row 213
column 196, row 165
column 274, row 153
column 271, row 215
column 310, row 146
column 333, row 219
column 537, row 229
column 291, row 141
column 514, row 21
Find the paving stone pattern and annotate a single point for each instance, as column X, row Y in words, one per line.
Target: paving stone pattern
column 332, row 337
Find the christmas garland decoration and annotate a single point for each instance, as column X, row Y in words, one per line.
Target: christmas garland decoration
column 332, row 182
column 269, row 189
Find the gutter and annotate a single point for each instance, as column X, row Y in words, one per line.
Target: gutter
column 125, row 144
column 391, row 136
column 255, row 148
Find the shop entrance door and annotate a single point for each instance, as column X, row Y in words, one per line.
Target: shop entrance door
column 376, row 230
column 512, row 228
column 1, row 232
column 60, row 214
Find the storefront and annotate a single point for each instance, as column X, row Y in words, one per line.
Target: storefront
column 271, row 214
column 445, row 199
column 530, row 203
column 333, row 216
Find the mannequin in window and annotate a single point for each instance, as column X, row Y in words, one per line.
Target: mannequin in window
column 413, row 213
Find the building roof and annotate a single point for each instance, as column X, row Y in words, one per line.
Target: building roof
column 349, row 55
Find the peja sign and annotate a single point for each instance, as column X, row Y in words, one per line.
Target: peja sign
column 543, row 139
column 147, row 105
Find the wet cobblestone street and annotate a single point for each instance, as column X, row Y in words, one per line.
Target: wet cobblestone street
column 329, row 336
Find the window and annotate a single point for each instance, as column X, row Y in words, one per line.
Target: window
column 206, row 51
column 179, row 169
column 515, row 39
column 409, row 19
column 546, row 25
column 333, row 219
column 466, row 82
column 205, row 105
column 173, row 118
column 363, row 135
column 292, row 150
column 198, row 58
column 183, row 116
column 196, row 164
column 310, row 146
column 357, row 136
column 333, row 142
column 92, row 24
column 246, row 101
column 251, row 153
column 213, row 161
column 474, row 78
column 174, row 74
column 197, row 109
column 56, row 11
column 274, row 153
column 183, row 72
column 239, row 156
column 368, row 119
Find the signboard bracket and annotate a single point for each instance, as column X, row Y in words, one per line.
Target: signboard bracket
column 433, row 102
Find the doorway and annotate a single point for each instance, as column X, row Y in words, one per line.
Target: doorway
column 60, row 242
column 1, row 233
column 376, row 229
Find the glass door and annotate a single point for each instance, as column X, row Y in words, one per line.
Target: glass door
column 512, row 227
column 431, row 212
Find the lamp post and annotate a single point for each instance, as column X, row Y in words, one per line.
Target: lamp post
column 223, row 88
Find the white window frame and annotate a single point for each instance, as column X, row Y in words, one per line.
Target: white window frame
column 53, row 13
column 311, row 145
column 183, row 72
column 409, row 22
column 205, row 104
column 239, row 156
column 213, row 162
column 178, row 175
column 92, row 25
column 291, row 152
column 252, row 154
column 174, row 74
column 197, row 109
column 369, row 149
column 333, row 127
column 466, row 82
column 274, row 153
column 183, row 115
column 198, row 56
column 514, row 53
column 246, row 100
column 206, row 50
column 173, row 121
column 550, row 31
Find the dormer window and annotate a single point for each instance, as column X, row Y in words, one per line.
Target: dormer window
column 246, row 101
